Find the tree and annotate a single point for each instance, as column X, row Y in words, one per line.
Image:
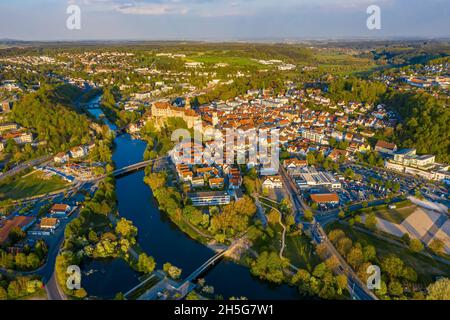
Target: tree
column 16, row 234
column 308, row 215
column 322, row 251
column 14, row 290
column 80, row 293
column 289, row 220
column 192, row 296
column 424, row 124
column 393, row 266
column 371, row 221
column 439, row 290
column 335, row 235
column 348, row 173
column 194, row 215
column 302, row 276
column 172, row 271
column 320, row 270
column 273, row 217
column 3, row 294
column 437, row 246
column 406, row 238
column 119, row 296
column 344, row 245
column 369, row 253
column 395, row 288
column 269, row 266
column 355, row 257
column 416, row 245
column 311, row 159
column 245, row 206
column 48, row 113
column 285, row 205
column 332, row 262
column 125, row 228
column 341, row 281
column 146, row 264
column 409, row 274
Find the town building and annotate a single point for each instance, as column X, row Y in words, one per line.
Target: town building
column 49, row 224
column 325, row 198
column 59, row 210
column 198, row 182
column 273, row 182
column 78, row 152
column 8, row 126
column 23, row 222
column 61, row 158
column 407, row 161
column 216, row 183
column 166, row 110
column 385, row 147
column 209, row 198
column 310, row 177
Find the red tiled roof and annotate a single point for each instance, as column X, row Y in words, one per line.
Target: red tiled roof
column 8, row 225
column 385, row 145
column 325, row 198
column 59, row 207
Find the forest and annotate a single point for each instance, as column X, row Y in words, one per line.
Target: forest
column 424, row 123
column 47, row 114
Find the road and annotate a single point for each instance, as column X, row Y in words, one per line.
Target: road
column 53, row 290
column 332, row 215
column 47, row 271
column 25, row 165
column 298, row 204
column 357, row 289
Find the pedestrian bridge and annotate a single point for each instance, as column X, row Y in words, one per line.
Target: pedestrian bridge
column 182, row 288
column 210, row 262
column 205, row 266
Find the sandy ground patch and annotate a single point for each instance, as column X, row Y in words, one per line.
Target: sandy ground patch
column 429, row 205
column 444, row 234
column 421, row 224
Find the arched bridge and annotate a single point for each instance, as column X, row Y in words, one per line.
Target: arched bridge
column 90, row 105
column 135, row 167
column 210, row 262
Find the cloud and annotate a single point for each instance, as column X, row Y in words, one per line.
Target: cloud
column 152, row 9
column 222, row 8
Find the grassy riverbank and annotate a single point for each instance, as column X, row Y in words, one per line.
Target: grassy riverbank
column 34, row 184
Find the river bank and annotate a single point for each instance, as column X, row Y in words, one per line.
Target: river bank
column 159, row 237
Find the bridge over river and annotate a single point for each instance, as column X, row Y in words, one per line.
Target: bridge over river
column 178, row 289
column 132, row 168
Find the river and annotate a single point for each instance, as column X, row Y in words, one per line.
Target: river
column 162, row 239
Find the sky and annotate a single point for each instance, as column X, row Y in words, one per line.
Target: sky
column 222, row 20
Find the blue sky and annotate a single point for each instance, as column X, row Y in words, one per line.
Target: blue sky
column 221, row 19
